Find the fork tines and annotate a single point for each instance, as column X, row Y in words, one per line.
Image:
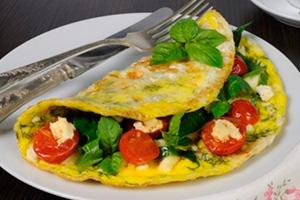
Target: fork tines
column 194, row 9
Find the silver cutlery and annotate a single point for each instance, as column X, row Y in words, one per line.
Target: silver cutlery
column 17, row 95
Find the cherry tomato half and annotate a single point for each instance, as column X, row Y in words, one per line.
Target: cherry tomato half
column 221, row 148
column 138, row 147
column 239, row 67
column 245, row 111
column 47, row 148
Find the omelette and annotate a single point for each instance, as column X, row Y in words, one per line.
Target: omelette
column 152, row 124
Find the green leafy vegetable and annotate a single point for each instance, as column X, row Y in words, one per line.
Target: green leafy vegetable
column 190, row 41
column 237, row 86
column 205, row 54
column 210, row 37
column 172, row 151
column 222, row 95
column 92, row 154
column 168, row 51
column 112, row 164
column 109, row 132
column 184, row 30
column 190, row 155
column 193, row 121
column 264, row 77
column 220, row 108
column 237, row 34
column 87, row 127
column 173, row 136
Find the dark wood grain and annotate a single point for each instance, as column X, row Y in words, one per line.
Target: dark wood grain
column 21, row 20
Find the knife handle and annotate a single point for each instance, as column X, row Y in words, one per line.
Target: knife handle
column 16, row 96
column 107, row 48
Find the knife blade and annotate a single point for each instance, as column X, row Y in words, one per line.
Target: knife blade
column 9, row 78
column 17, row 95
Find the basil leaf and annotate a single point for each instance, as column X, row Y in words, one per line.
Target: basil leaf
column 222, row 95
column 166, row 52
column 184, row 30
column 87, row 127
column 91, row 154
column 112, row 164
column 205, row 54
column 193, row 121
column 172, row 137
column 237, row 86
column 210, row 37
column 109, row 132
column 220, row 108
column 237, row 34
column 190, row 155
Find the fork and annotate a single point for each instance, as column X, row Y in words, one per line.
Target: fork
column 141, row 41
column 18, row 93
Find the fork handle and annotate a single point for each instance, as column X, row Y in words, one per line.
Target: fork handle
column 110, row 47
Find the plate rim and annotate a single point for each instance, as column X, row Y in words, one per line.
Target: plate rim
column 58, row 193
column 264, row 7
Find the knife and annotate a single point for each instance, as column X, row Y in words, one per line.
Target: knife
column 17, row 95
column 8, row 78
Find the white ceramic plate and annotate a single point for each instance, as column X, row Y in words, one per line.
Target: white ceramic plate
column 73, row 35
column 281, row 10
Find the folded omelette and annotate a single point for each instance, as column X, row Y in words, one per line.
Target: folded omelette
column 151, row 124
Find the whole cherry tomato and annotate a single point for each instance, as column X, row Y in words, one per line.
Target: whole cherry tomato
column 245, row 111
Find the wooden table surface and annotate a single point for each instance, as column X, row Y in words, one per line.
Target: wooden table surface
column 21, row 20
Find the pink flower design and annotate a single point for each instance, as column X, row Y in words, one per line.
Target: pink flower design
column 268, row 193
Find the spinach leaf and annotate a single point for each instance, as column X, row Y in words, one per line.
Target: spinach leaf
column 172, row 137
column 205, row 54
column 87, row 127
column 184, row 30
column 172, row 151
column 237, row 86
column 193, row 121
column 210, row 37
column 220, row 108
column 91, row 154
column 190, row 155
column 237, row 34
column 109, row 132
column 112, row 164
column 166, row 52
column 222, row 95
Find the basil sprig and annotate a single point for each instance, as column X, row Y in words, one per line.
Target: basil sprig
column 102, row 144
column 190, row 42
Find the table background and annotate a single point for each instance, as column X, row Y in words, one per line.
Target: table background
column 21, row 20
